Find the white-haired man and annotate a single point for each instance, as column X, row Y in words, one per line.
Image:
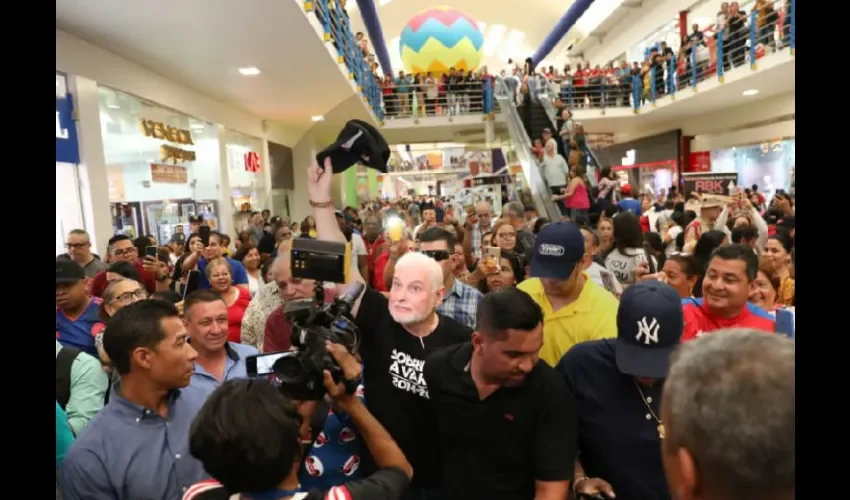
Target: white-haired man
column 397, row 335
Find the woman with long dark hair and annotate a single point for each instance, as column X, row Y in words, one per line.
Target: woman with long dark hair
column 627, row 251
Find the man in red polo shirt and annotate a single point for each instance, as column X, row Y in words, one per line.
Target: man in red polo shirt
column 153, row 276
column 726, row 291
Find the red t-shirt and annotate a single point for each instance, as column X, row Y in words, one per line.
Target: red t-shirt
column 699, row 320
column 98, row 284
column 378, row 272
column 371, row 251
column 235, row 311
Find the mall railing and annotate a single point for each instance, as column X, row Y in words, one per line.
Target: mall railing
column 540, row 193
column 417, row 100
column 768, row 28
column 337, row 27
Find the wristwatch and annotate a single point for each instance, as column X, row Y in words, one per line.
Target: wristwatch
column 351, row 385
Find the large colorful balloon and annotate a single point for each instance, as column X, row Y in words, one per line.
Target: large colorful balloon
column 440, row 38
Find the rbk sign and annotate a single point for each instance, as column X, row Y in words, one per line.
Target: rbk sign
column 252, row 162
column 722, row 184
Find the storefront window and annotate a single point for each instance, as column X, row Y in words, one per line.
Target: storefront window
column 245, row 172
column 69, row 208
column 770, row 165
column 162, row 166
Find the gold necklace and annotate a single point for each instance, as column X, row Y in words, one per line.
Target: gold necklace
column 661, row 432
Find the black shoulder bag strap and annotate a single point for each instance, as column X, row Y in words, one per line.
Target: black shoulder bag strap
column 64, row 361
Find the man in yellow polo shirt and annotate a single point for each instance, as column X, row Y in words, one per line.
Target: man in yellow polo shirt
column 575, row 309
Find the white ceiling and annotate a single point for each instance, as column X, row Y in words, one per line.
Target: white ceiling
column 530, row 20
column 202, row 44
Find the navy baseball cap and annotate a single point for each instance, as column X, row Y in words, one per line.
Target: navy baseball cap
column 68, row 272
column 649, row 327
column 557, row 249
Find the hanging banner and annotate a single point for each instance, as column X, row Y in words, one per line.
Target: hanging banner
column 723, row 184
column 67, row 149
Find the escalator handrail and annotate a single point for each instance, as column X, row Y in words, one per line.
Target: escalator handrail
column 523, row 149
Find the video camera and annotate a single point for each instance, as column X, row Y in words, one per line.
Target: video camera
column 299, row 373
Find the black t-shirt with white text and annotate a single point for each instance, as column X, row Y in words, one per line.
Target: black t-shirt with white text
column 394, row 385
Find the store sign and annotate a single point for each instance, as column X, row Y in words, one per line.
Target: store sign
column 170, row 174
column 175, row 155
column 67, row 149
column 161, row 131
column 700, row 162
column 252, row 162
column 723, row 184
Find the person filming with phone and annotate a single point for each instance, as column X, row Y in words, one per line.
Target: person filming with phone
column 212, row 250
column 398, row 334
column 248, row 432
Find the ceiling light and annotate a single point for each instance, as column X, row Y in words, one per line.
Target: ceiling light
column 114, row 106
column 197, row 126
column 751, row 92
column 318, row 118
column 249, row 71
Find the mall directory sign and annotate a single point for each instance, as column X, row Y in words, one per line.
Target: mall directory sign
column 67, row 149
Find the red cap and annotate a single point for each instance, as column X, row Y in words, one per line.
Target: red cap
column 627, row 189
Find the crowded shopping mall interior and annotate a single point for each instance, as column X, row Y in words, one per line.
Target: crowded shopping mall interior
column 590, row 202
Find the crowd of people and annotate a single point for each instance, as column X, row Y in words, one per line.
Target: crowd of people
column 665, row 68
column 502, row 355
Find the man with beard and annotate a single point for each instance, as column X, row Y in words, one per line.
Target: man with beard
column 397, row 335
column 496, row 385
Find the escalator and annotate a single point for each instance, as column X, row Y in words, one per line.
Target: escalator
column 522, row 147
column 593, row 163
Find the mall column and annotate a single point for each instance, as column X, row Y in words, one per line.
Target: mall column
column 349, row 188
column 373, row 26
column 372, row 183
column 567, row 21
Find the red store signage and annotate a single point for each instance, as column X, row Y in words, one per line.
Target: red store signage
column 700, row 162
column 252, row 162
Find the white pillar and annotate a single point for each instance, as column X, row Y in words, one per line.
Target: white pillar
column 225, row 200
column 489, row 131
column 303, row 154
column 94, row 186
column 266, row 170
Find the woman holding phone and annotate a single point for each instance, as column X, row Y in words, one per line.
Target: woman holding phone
column 179, row 277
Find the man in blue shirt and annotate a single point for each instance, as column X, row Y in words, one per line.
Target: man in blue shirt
column 138, row 445
column 77, row 317
column 205, row 317
column 629, row 203
column 211, row 252
column 618, row 387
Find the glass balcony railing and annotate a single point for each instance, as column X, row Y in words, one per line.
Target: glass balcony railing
column 746, row 38
column 337, row 27
column 418, row 97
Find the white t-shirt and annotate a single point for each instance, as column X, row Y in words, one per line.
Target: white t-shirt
column 672, row 233
column 555, row 170
column 623, row 264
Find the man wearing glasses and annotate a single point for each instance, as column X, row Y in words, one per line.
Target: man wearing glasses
column 78, row 244
column 152, row 276
column 461, row 300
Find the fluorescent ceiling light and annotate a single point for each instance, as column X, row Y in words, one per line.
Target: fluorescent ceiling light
column 318, row 118
column 113, row 106
column 751, row 92
column 249, row 71
column 493, row 39
column 197, row 126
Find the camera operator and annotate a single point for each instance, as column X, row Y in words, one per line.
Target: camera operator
column 398, row 334
column 248, row 431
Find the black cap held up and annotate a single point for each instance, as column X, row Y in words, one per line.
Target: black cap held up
column 358, row 142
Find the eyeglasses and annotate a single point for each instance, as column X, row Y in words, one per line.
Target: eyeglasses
column 126, row 297
column 438, row 255
column 125, row 251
